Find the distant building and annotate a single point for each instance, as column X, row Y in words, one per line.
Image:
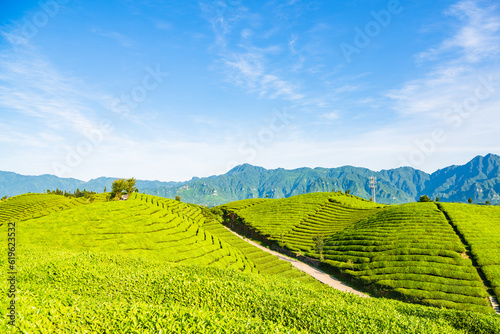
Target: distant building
column 124, row 196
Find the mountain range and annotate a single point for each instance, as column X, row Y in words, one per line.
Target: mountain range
column 479, row 180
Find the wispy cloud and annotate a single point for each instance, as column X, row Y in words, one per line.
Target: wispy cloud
column 456, row 93
column 32, row 86
column 223, row 15
column 478, row 37
column 245, row 64
column 249, row 71
column 162, row 25
column 331, row 116
column 444, row 82
column 121, row 39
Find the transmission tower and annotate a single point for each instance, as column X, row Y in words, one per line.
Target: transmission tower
column 373, row 185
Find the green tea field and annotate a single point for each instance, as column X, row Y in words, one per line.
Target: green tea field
column 411, row 252
column 154, row 265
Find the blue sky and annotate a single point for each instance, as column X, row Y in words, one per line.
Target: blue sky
column 169, row 90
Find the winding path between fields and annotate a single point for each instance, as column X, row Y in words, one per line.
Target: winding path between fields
column 314, row 272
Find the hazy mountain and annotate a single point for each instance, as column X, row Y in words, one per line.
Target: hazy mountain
column 479, row 179
column 12, row 184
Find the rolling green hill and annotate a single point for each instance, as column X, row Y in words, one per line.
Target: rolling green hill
column 147, row 226
column 62, row 291
column 479, row 226
column 154, row 265
column 293, row 221
column 410, row 252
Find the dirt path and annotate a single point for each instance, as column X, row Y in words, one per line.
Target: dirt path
column 314, row 272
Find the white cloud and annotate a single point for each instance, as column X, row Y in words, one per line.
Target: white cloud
column 331, row 116
column 477, row 39
column 249, row 71
column 32, row 86
column 223, row 15
column 459, row 98
column 446, row 83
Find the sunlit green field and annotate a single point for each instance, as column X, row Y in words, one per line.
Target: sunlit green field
column 62, row 291
column 153, row 265
column 409, row 252
column 480, row 225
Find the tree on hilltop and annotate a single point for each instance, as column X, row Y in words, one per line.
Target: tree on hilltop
column 120, row 185
column 424, row 198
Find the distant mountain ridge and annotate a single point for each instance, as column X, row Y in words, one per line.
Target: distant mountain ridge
column 479, row 179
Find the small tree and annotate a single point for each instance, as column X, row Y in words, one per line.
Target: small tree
column 122, row 184
column 437, row 199
column 348, row 191
column 319, row 241
column 130, row 185
column 488, row 202
column 178, row 198
column 424, row 198
column 282, row 242
column 470, row 200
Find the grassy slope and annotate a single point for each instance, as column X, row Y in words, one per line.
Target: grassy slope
column 64, row 287
column 151, row 227
column 480, row 226
column 37, row 205
column 406, row 251
column 64, row 291
column 278, row 218
column 410, row 250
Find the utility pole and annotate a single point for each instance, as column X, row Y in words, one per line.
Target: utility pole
column 373, row 185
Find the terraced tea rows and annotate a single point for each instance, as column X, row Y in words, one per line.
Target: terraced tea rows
column 102, row 267
column 328, row 220
column 145, row 226
column 411, row 251
column 276, row 218
column 29, row 206
column 244, row 203
column 264, row 262
column 480, row 226
column 86, row 292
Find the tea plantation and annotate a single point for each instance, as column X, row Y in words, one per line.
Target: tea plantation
column 154, row 265
column 480, row 227
column 409, row 252
column 62, row 291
